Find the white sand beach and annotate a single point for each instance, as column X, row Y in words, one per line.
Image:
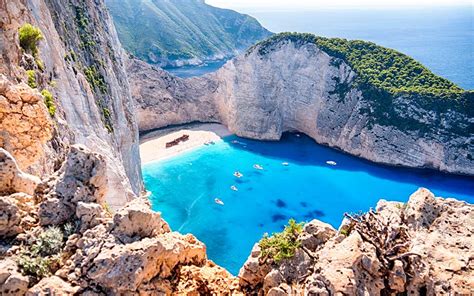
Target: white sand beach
column 153, row 144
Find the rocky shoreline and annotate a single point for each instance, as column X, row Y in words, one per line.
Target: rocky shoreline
column 416, row 247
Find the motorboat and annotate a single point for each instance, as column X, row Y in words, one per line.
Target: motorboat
column 219, row 202
column 238, row 174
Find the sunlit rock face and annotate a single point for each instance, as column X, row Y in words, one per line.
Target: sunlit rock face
column 83, row 68
column 299, row 87
column 425, row 253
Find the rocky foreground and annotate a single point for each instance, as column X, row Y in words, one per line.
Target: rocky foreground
column 58, row 235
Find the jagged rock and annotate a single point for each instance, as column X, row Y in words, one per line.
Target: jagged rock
column 90, row 214
column 82, row 178
column 253, row 271
column 15, row 214
column 421, row 210
column 12, row 282
column 10, row 217
column 316, row 233
column 12, row 179
column 52, row 286
column 137, row 219
column 206, row 280
column 25, row 124
column 430, row 254
column 125, row 267
column 397, row 278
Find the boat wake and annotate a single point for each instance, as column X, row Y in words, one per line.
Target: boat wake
column 188, row 212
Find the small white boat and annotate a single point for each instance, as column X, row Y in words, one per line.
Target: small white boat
column 331, row 162
column 238, row 174
column 257, row 167
column 219, row 202
column 284, row 163
column 234, row 188
column 298, row 135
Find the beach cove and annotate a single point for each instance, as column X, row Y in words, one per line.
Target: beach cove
column 298, row 181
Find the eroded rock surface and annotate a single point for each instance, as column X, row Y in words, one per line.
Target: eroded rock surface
column 25, row 124
column 131, row 251
column 81, row 63
column 419, row 247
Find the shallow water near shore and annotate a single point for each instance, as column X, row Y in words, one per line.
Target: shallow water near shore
column 184, row 188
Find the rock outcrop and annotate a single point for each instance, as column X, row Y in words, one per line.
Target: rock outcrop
column 64, row 239
column 163, row 99
column 419, row 248
column 296, row 86
column 89, row 249
column 81, row 63
column 25, row 124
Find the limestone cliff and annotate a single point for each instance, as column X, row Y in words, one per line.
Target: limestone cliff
column 80, row 63
column 163, row 99
column 297, row 86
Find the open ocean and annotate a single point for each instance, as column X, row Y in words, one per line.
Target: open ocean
column 441, row 38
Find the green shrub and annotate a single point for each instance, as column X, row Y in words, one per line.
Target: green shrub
column 34, row 265
column 69, row 229
column 29, row 36
column 95, row 79
column 49, row 242
column 282, row 245
column 40, row 64
column 40, row 258
column 49, row 102
column 108, row 209
column 106, row 112
column 31, row 78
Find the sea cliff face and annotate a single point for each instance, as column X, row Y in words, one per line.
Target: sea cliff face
column 81, row 63
column 300, row 87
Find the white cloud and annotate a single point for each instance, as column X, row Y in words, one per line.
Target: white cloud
column 308, row 4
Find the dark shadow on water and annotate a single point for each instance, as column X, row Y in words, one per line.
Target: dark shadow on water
column 279, row 217
column 305, row 151
column 280, row 203
column 314, row 214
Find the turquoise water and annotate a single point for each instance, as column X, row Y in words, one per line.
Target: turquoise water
column 440, row 38
column 184, row 188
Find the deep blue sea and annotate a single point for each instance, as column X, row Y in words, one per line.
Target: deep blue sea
column 184, row 188
column 440, row 38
